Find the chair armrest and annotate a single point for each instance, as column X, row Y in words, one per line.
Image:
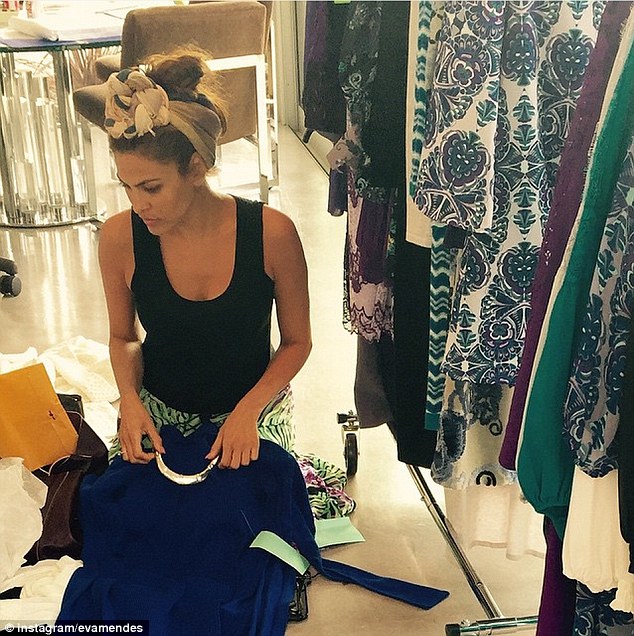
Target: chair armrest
column 106, row 65
column 90, row 102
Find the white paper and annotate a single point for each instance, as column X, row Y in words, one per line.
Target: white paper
column 68, row 26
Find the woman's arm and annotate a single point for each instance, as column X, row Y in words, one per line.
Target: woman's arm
column 115, row 261
column 285, row 263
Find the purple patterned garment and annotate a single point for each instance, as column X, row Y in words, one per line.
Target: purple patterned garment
column 322, row 97
column 325, row 485
column 566, row 201
column 315, row 34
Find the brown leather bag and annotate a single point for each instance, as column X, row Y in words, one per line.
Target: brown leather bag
column 61, row 534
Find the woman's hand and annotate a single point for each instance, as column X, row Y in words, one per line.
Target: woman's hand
column 237, row 443
column 136, row 422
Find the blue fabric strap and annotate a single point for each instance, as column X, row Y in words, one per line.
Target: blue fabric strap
column 417, row 595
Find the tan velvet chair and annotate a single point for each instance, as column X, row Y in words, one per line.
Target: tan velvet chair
column 108, row 64
column 234, row 32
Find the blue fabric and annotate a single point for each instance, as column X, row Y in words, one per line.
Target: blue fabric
column 417, row 595
column 179, row 555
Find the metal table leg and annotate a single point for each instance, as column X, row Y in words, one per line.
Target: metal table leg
column 40, row 141
column 70, row 142
column 7, row 66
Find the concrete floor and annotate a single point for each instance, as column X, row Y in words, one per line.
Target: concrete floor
column 62, row 298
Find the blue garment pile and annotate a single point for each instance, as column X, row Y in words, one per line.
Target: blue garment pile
column 180, row 557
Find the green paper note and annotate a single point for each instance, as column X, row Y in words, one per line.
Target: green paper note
column 336, row 532
column 276, row 546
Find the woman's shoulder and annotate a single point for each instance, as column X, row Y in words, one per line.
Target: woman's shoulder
column 282, row 245
column 116, row 253
column 276, row 224
column 117, row 228
column 118, row 221
column 115, row 235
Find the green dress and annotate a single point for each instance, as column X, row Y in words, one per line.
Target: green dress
column 545, row 462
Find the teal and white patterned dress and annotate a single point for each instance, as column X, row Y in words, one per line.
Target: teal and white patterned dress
column 591, row 415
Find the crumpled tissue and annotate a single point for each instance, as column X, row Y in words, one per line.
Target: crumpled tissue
column 21, row 497
column 83, row 366
column 43, row 586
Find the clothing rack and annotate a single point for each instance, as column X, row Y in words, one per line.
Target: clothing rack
column 497, row 620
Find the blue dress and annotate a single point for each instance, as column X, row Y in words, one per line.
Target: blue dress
column 180, row 556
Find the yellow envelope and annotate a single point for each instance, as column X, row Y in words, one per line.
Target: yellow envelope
column 33, row 423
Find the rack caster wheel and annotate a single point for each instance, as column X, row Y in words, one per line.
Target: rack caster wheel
column 351, row 454
column 350, row 436
column 10, row 285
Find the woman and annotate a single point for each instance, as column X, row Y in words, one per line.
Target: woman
column 199, row 268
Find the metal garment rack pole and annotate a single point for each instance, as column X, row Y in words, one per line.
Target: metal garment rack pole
column 497, row 620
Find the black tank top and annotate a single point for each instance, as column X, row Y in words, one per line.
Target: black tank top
column 204, row 356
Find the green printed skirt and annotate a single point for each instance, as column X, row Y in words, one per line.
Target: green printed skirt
column 325, row 482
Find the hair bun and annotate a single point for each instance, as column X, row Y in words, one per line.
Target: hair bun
column 184, row 75
column 178, row 76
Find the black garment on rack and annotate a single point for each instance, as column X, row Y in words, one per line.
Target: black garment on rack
column 402, row 361
column 399, row 363
column 626, row 450
column 322, row 98
column 370, row 389
column 383, row 136
column 415, row 444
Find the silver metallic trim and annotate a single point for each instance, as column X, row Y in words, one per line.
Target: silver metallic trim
column 179, row 478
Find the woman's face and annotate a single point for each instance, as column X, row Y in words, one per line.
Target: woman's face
column 157, row 191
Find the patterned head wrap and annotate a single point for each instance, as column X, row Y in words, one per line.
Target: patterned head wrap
column 136, row 105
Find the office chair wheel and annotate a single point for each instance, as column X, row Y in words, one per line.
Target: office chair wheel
column 10, row 285
column 8, row 266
